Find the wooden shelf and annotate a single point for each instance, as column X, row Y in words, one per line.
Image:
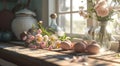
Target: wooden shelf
column 26, row 57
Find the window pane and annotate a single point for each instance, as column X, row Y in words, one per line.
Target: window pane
column 78, row 3
column 71, row 21
column 64, row 5
column 79, row 24
column 64, row 22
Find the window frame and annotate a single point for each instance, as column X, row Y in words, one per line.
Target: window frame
column 70, row 12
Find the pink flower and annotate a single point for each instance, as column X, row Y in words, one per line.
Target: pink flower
column 32, row 46
column 102, row 8
column 50, row 47
column 24, row 38
column 102, row 12
column 30, row 38
column 28, row 41
column 39, row 31
column 83, row 13
column 23, row 35
column 42, row 45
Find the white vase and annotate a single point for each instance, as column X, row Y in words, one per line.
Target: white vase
column 23, row 22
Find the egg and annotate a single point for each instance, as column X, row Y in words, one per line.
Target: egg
column 85, row 42
column 79, row 47
column 66, row 45
column 93, row 48
column 93, row 42
column 88, row 42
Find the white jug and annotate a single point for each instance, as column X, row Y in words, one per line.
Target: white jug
column 23, row 22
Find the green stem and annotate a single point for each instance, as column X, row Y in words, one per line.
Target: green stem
column 102, row 31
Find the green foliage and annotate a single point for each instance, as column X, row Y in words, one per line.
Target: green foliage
column 51, row 31
column 44, row 30
column 63, row 38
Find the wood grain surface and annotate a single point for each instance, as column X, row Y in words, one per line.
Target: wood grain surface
column 26, row 57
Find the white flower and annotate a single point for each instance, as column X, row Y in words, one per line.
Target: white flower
column 46, row 38
column 53, row 37
column 60, row 33
column 39, row 38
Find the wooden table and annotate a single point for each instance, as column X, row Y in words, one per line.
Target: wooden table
column 26, row 57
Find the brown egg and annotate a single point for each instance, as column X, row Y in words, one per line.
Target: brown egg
column 66, row 45
column 93, row 42
column 79, row 47
column 93, row 48
column 72, row 45
column 85, row 42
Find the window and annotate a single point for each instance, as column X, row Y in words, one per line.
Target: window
column 68, row 17
column 72, row 23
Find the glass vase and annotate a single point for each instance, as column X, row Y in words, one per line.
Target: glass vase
column 55, row 28
column 103, row 36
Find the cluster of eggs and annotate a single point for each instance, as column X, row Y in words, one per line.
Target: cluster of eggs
column 90, row 47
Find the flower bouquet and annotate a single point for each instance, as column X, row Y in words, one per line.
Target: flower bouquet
column 40, row 38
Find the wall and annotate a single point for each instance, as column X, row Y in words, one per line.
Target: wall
column 43, row 9
column 10, row 4
column 36, row 6
column 40, row 7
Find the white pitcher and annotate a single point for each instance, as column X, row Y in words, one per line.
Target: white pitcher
column 23, row 22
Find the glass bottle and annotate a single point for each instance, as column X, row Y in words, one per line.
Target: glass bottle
column 55, row 28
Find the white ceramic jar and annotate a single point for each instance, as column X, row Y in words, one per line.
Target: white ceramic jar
column 24, row 21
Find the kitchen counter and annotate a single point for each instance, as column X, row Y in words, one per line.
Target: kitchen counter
column 23, row 56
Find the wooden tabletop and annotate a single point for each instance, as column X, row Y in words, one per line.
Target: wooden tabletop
column 25, row 56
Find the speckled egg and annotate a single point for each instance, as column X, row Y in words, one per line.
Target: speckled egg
column 79, row 47
column 93, row 48
column 66, row 45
